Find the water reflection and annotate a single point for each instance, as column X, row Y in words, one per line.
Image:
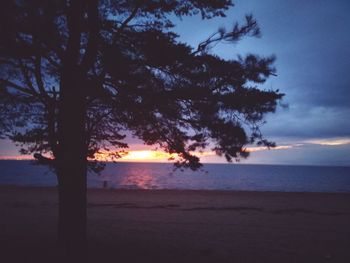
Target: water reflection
column 225, row 177
column 140, row 176
column 219, row 176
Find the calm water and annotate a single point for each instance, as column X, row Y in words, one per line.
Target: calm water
column 213, row 176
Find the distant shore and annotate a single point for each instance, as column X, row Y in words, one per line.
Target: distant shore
column 183, row 225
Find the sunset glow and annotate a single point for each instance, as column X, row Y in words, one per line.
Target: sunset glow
column 139, row 156
column 152, row 155
column 147, row 155
column 16, row 157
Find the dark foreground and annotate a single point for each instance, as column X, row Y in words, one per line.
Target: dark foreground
column 182, row 226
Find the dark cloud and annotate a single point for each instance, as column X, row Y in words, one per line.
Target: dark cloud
column 308, row 122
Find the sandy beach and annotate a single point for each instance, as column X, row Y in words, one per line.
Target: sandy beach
column 182, row 226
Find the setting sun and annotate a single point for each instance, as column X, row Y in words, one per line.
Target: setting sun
column 147, row 155
column 139, row 156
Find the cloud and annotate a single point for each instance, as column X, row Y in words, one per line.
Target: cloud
column 279, row 147
column 330, row 141
column 302, row 121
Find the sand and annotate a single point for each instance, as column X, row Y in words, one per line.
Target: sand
column 182, row 226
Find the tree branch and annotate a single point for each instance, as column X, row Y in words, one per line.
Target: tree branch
column 38, row 78
column 249, row 28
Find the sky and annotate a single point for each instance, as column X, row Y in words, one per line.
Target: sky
column 311, row 41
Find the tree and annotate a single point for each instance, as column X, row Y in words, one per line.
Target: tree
column 76, row 75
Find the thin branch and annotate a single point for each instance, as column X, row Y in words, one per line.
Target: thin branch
column 17, row 87
column 26, row 76
column 128, row 19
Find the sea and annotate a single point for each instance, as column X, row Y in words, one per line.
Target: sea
column 241, row 177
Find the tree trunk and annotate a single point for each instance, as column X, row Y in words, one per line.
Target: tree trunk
column 72, row 166
column 72, row 146
column 72, row 211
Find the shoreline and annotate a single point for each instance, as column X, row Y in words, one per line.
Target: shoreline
column 92, row 189
column 131, row 225
column 210, row 163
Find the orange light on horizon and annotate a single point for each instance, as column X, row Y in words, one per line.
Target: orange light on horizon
column 152, row 155
column 137, row 156
column 148, row 156
column 16, row 157
column 130, row 156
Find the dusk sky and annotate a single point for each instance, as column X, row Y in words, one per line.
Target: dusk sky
column 311, row 41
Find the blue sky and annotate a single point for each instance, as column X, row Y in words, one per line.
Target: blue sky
column 311, row 41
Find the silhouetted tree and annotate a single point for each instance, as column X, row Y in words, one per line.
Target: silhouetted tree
column 75, row 75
